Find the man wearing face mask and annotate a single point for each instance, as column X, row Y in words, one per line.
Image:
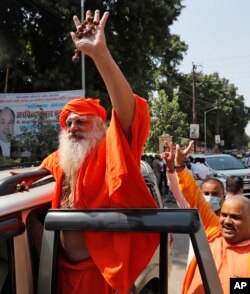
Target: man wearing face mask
column 213, row 191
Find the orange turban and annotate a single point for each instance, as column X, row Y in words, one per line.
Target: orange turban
column 82, row 106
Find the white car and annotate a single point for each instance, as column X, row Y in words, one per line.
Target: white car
column 223, row 165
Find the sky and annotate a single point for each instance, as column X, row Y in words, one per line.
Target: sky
column 217, row 33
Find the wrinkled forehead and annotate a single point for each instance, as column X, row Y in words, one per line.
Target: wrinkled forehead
column 74, row 116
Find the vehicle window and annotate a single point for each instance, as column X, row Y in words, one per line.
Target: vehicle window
column 6, row 274
column 224, row 163
column 34, row 227
column 152, row 186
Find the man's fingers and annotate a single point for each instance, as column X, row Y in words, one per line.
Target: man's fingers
column 168, row 145
column 104, row 19
column 73, row 36
column 76, row 21
column 189, row 147
column 97, row 16
column 88, row 14
column 191, row 143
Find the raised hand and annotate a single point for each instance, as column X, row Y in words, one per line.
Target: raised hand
column 89, row 37
column 180, row 155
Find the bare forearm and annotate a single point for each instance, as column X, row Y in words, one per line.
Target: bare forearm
column 174, row 187
column 119, row 90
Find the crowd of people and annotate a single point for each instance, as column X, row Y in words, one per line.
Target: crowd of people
column 158, row 165
column 98, row 166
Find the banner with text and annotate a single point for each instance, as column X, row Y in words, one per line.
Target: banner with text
column 27, row 105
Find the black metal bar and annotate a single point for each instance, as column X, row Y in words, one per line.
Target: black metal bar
column 180, row 221
column 163, row 256
column 163, row 221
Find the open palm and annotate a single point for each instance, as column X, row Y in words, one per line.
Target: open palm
column 94, row 43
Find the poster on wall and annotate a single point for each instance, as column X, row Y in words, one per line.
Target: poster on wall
column 17, row 110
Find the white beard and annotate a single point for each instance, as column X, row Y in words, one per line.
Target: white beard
column 73, row 151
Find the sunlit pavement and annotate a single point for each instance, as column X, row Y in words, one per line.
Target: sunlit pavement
column 178, row 255
column 179, row 259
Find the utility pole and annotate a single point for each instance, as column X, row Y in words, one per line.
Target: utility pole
column 83, row 57
column 194, row 106
column 6, row 79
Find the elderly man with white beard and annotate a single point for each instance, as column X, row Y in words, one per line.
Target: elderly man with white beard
column 97, row 166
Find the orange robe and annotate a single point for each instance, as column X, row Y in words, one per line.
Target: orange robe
column 110, row 178
column 231, row 260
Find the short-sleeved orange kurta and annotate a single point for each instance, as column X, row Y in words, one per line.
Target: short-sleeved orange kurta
column 231, row 260
column 110, row 178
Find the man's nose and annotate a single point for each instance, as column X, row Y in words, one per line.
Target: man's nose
column 74, row 127
column 228, row 219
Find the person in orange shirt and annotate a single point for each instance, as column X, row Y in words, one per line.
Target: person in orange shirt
column 99, row 167
column 228, row 235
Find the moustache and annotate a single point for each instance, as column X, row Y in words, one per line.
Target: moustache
column 228, row 227
column 76, row 135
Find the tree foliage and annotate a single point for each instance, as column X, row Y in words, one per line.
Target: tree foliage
column 36, row 51
column 166, row 119
column 35, row 46
column 228, row 120
column 38, row 48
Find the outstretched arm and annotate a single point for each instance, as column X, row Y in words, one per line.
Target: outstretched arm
column 120, row 92
column 191, row 190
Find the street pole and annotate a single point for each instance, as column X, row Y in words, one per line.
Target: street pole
column 194, row 106
column 83, row 57
column 205, row 130
column 205, row 126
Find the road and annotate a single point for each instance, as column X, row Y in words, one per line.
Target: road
column 178, row 255
column 179, row 260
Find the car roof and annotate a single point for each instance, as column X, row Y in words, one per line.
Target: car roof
column 210, row 155
column 7, row 172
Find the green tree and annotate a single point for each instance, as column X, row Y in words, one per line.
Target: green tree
column 230, row 118
column 35, row 37
column 166, row 118
column 37, row 32
column 140, row 40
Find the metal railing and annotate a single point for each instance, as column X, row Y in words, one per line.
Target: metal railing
column 163, row 221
